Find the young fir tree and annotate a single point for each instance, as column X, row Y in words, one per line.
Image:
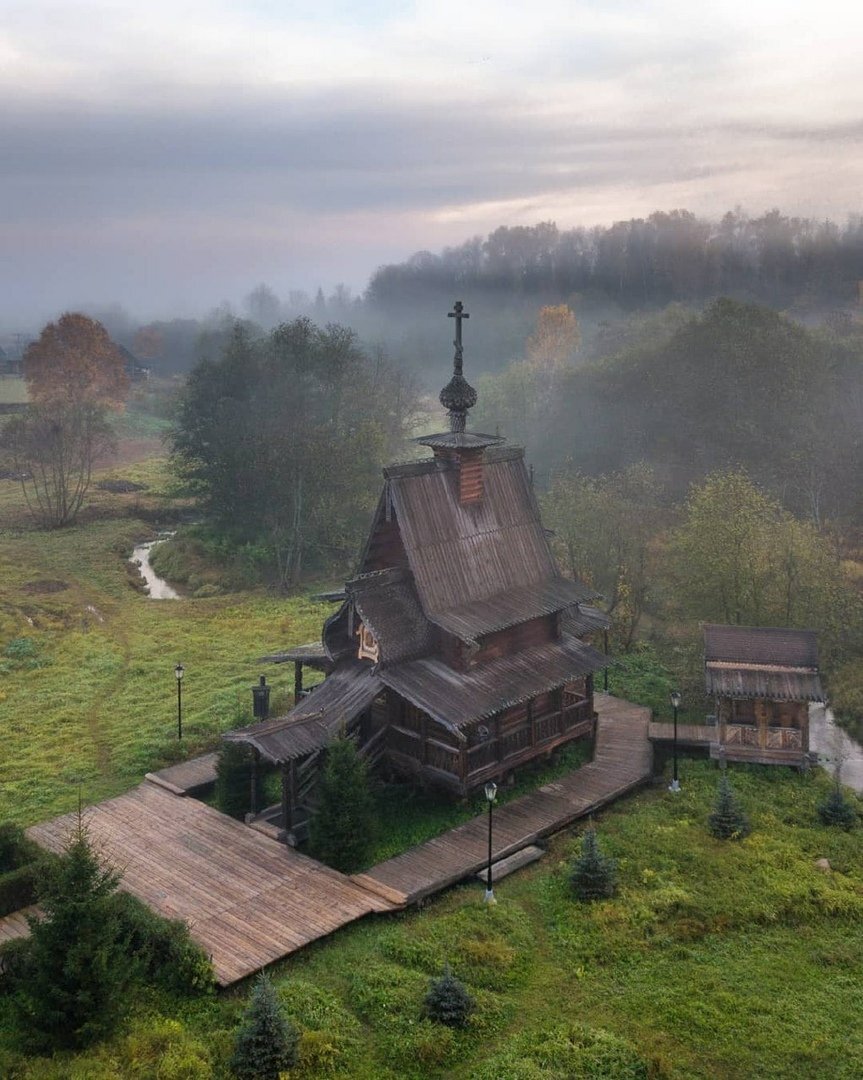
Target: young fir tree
column 79, row 965
column 266, row 1043
column 343, row 827
column 728, row 821
column 233, row 785
column 448, row 1001
column 594, row 875
column 837, row 810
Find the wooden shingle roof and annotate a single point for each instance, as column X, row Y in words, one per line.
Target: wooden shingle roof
column 767, row 662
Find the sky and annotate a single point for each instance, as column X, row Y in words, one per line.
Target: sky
column 170, row 155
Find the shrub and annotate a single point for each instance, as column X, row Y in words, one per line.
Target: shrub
column 267, row 1042
column 14, row 963
column 448, row 1001
column 164, row 948
column 728, row 821
column 594, row 875
column 11, row 843
column 18, row 887
column 232, row 779
column 837, row 810
column 343, row 827
column 573, row 1050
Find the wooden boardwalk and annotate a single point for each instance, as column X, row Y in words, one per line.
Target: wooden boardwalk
column 16, row 925
column 623, row 760
column 187, row 777
column 687, row 734
column 248, row 900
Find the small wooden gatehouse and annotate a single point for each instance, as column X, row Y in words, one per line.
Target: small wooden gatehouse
column 763, row 680
column 458, row 652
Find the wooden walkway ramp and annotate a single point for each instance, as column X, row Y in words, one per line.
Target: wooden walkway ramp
column 248, row 900
column 188, row 777
column 623, row 760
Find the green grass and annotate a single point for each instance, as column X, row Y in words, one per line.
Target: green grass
column 727, row 960
column 95, row 705
column 13, row 391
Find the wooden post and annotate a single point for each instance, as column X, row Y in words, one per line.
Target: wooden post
column 253, row 782
column 286, row 799
column 424, row 735
column 298, row 680
column 531, row 719
column 497, row 735
column 561, row 719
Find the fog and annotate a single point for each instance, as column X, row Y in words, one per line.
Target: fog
column 168, row 160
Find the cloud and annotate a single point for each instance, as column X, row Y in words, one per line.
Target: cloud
column 166, row 154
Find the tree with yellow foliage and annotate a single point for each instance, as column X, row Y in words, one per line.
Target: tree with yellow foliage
column 556, row 339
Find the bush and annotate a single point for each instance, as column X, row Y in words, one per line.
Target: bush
column 572, row 1050
column 448, row 1001
column 266, row 1043
column 14, row 963
column 728, row 821
column 837, row 810
column 594, row 875
column 164, row 948
column 232, row 779
column 343, row 826
column 11, row 843
column 18, row 887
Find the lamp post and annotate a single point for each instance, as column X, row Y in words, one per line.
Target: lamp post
column 675, row 704
column 490, row 793
column 179, row 672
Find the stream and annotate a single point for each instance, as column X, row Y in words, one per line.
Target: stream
column 835, row 748
column 157, row 588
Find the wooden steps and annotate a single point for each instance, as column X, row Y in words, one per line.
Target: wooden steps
column 188, row 777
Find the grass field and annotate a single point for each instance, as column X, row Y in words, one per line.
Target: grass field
column 87, row 691
column 13, row 391
column 728, row 960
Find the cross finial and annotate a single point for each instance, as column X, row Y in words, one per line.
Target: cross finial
column 458, row 314
column 458, row 395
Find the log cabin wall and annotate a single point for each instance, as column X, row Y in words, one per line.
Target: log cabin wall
column 516, row 638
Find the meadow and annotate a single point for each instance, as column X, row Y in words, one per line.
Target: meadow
column 87, row 690
column 716, row 959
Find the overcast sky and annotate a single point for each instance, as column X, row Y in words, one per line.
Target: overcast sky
column 174, row 153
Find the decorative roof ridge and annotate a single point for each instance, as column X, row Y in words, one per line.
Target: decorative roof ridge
column 394, row 574
column 749, row 665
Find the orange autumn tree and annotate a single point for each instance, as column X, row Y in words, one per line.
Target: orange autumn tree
column 75, row 377
column 556, row 339
column 75, row 362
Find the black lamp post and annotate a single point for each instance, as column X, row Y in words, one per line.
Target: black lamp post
column 490, row 793
column 179, row 672
column 675, row 704
column 261, row 699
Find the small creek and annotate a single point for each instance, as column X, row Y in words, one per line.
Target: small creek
column 157, row 588
column 835, row 747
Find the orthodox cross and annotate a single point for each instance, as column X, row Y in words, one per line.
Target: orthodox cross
column 458, row 315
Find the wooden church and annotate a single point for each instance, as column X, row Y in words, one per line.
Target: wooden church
column 458, row 652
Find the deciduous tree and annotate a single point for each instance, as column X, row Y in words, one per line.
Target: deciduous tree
column 74, row 362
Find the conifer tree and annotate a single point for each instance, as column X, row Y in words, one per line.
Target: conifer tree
column 343, row 827
column 266, row 1043
column 232, row 779
column 728, row 821
column 837, row 810
column 79, row 965
column 448, row 1001
column 594, row 875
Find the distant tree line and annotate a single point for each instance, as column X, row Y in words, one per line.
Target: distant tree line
column 644, row 261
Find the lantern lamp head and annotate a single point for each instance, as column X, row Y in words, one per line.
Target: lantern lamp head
column 676, row 699
column 491, row 791
column 179, row 672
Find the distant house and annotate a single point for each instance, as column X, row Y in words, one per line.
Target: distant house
column 459, row 651
column 9, row 365
column 136, row 372
column 763, row 680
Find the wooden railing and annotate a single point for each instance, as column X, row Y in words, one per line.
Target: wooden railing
column 773, row 738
